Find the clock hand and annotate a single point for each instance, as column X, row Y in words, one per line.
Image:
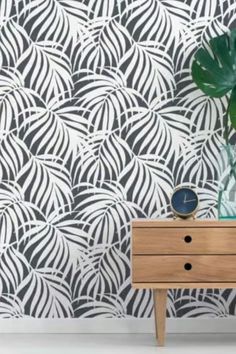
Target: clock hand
column 190, row 200
column 185, row 195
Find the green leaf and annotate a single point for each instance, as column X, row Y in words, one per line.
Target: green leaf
column 232, row 108
column 214, row 69
column 206, row 82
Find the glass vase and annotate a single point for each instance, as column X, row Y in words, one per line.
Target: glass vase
column 227, row 183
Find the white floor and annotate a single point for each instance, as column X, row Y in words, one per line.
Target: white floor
column 116, row 343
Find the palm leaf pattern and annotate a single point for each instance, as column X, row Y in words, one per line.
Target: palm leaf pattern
column 99, row 121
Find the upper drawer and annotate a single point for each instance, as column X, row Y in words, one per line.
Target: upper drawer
column 184, row 240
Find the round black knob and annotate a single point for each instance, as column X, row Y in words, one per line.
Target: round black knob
column 188, row 239
column 188, row 266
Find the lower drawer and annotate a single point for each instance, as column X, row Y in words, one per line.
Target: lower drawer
column 151, row 268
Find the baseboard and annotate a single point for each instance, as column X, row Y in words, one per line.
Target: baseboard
column 181, row 325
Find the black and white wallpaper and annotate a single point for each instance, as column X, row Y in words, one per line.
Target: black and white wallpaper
column 99, row 121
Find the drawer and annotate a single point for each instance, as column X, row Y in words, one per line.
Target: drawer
column 207, row 240
column 184, row 269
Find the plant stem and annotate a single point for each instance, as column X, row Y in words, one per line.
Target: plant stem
column 232, row 166
column 226, row 127
column 229, row 153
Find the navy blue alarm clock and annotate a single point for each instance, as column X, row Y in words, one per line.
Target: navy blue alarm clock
column 184, row 202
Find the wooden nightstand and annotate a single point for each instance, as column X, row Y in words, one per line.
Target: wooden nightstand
column 181, row 254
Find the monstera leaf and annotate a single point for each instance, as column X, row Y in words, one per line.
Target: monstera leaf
column 214, row 70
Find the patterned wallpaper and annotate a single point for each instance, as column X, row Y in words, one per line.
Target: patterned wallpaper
column 99, row 120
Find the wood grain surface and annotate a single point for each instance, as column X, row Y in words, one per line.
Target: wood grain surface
column 152, row 268
column 181, row 223
column 175, row 240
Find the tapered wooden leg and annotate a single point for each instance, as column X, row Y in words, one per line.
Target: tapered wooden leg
column 160, row 299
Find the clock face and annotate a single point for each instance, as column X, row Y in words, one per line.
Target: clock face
column 184, row 201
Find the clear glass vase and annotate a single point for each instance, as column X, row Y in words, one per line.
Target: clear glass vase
column 227, row 183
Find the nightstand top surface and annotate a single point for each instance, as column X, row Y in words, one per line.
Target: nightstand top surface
column 182, row 223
